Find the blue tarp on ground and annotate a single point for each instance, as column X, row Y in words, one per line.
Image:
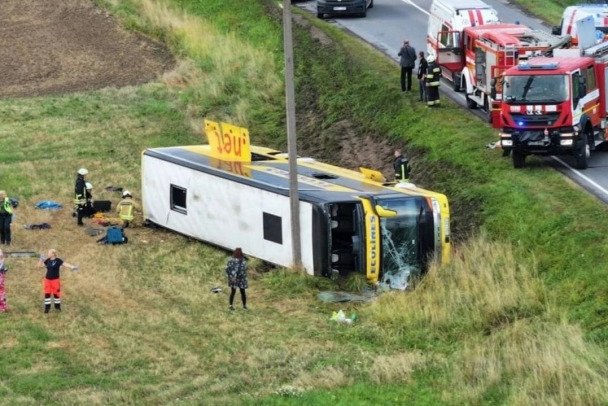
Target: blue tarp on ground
column 48, row 205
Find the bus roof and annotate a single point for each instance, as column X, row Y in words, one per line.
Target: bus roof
column 269, row 170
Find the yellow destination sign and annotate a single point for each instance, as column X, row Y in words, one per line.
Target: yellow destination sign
column 228, row 142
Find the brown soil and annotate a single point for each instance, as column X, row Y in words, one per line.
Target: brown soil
column 49, row 47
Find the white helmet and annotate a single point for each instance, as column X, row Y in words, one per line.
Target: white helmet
column 82, row 171
column 126, row 193
column 430, row 58
column 89, row 186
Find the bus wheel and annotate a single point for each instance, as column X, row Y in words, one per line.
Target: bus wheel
column 582, row 152
column 519, row 159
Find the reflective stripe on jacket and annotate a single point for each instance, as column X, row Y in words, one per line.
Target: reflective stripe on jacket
column 433, row 75
column 7, row 206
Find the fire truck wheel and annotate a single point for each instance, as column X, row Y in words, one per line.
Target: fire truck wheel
column 519, row 159
column 581, row 152
column 470, row 103
column 456, row 83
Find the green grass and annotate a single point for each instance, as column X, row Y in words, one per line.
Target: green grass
column 548, row 10
column 517, row 318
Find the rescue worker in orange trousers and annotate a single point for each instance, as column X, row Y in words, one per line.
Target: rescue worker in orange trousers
column 52, row 284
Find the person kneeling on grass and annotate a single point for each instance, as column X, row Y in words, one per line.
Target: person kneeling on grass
column 52, row 285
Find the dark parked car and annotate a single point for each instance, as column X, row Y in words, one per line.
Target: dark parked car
column 343, row 7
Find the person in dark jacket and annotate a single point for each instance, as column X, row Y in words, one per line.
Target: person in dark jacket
column 52, row 284
column 433, row 77
column 6, row 217
column 80, row 194
column 407, row 62
column 401, row 166
column 422, row 67
column 236, row 270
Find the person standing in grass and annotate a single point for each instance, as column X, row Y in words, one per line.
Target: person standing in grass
column 407, row 60
column 401, row 166
column 52, row 285
column 80, row 194
column 6, row 217
column 422, row 67
column 3, row 304
column 236, row 270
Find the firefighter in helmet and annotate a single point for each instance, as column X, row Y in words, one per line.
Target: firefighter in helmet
column 126, row 208
column 80, row 194
column 401, row 166
column 433, row 76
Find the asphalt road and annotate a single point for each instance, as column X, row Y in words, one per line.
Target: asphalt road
column 392, row 21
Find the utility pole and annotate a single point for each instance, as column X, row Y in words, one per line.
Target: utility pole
column 291, row 136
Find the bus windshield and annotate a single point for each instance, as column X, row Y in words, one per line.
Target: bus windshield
column 401, row 239
column 522, row 89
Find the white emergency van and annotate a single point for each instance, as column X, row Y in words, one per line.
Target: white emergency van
column 447, row 20
column 572, row 14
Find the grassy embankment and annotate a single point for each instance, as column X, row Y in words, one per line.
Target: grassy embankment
column 548, row 10
column 500, row 324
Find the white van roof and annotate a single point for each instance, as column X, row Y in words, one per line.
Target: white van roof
column 464, row 4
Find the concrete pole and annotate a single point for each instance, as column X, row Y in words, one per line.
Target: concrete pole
column 291, row 136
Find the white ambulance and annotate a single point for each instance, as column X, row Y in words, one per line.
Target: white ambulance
column 599, row 12
column 447, row 20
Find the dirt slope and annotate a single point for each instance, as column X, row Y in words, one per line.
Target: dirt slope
column 50, row 47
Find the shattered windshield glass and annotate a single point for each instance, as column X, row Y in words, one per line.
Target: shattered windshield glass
column 401, row 253
column 535, row 89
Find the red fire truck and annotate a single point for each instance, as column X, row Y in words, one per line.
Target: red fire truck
column 556, row 106
column 483, row 52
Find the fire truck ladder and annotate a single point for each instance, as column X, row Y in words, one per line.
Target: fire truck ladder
column 599, row 52
column 541, row 39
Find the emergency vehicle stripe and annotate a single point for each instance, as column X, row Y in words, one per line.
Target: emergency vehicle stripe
column 479, row 16
column 570, row 23
column 550, row 108
column 471, row 18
